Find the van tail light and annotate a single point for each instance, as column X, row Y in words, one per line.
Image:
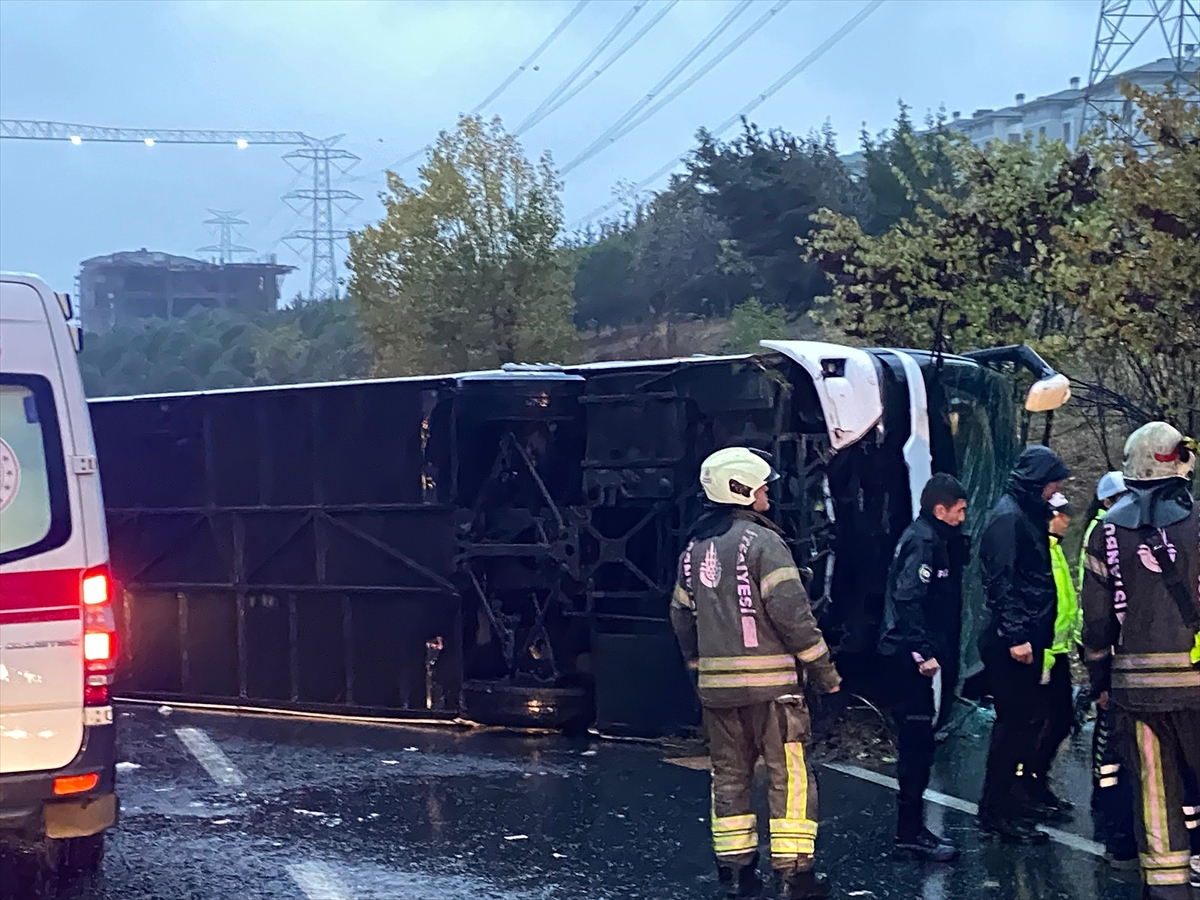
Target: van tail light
column 76, row 784
column 99, row 635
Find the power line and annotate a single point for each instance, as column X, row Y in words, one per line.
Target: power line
column 503, row 86
column 628, row 122
column 689, row 58
column 576, row 10
column 823, row 48
column 566, row 83
column 596, row 73
column 791, row 73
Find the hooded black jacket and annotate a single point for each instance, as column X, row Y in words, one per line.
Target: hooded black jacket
column 1014, row 555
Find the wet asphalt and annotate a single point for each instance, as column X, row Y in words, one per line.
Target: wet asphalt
column 271, row 807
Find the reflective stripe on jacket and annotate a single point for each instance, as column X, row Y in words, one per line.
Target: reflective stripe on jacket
column 1083, row 548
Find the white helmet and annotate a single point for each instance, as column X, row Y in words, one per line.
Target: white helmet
column 1158, row 451
column 732, row 475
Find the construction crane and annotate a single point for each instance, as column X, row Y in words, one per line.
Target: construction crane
column 36, row 130
column 317, row 157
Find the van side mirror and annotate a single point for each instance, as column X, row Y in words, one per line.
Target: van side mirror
column 64, row 303
column 76, row 337
column 1048, row 394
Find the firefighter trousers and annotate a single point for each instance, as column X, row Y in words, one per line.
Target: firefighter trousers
column 1112, row 794
column 775, row 731
column 1159, row 747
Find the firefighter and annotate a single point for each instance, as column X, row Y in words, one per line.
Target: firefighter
column 1014, row 553
column 743, row 620
column 921, row 610
column 1141, row 637
column 1112, row 796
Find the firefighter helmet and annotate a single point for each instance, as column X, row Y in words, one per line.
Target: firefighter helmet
column 732, row 475
column 1158, row 451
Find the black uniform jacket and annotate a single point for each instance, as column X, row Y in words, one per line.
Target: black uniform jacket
column 1014, row 556
column 922, row 605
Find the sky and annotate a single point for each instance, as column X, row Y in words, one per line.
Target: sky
column 389, row 75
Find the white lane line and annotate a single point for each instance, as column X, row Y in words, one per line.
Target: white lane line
column 209, row 755
column 318, row 881
column 1074, row 841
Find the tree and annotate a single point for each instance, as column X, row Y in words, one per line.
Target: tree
column 464, row 271
column 606, row 292
column 752, row 322
column 969, row 268
column 1130, row 263
column 764, row 188
column 210, row 349
column 906, row 170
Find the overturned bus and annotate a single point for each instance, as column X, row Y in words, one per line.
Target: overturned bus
column 500, row 546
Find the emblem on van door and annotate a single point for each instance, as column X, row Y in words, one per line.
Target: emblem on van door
column 10, row 475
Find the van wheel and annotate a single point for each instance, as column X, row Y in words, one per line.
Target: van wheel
column 84, row 855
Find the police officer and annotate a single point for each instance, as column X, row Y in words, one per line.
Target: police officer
column 1014, row 553
column 1056, row 712
column 743, row 620
column 920, row 624
column 1141, row 637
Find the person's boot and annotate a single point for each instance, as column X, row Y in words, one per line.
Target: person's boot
column 1122, row 858
column 1040, row 790
column 1010, row 829
column 925, row 845
column 1031, row 803
column 793, row 885
column 740, row 881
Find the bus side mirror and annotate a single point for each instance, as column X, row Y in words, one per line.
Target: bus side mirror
column 1048, row 394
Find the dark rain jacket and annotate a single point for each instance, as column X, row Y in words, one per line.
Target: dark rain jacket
column 1135, row 637
column 1014, row 556
column 923, row 603
column 740, row 609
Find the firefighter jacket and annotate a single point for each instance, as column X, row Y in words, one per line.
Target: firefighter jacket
column 923, row 604
column 1136, row 639
column 740, row 609
column 1014, row 556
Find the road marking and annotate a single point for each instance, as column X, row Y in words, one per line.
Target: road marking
column 318, row 881
column 209, row 755
column 1074, row 841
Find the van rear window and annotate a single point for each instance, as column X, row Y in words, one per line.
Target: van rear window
column 35, row 511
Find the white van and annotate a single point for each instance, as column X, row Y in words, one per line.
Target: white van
column 57, row 635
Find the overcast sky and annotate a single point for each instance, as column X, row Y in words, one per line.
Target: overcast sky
column 389, row 75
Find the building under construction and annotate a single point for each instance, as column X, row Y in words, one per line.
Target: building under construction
column 122, row 288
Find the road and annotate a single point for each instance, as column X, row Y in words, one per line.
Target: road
column 217, row 806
